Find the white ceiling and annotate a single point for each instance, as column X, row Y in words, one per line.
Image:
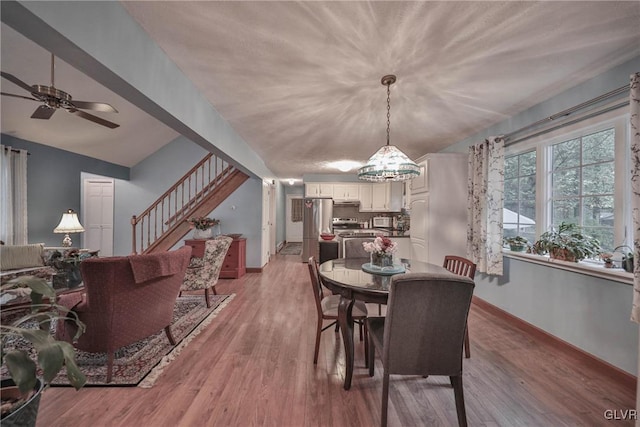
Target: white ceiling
column 300, row 82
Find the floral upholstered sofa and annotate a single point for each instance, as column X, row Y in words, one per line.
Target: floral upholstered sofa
column 21, row 260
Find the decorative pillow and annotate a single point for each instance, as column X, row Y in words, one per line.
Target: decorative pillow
column 21, row 256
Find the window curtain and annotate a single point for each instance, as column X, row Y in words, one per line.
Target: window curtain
column 13, row 196
column 634, row 103
column 485, row 203
column 296, row 210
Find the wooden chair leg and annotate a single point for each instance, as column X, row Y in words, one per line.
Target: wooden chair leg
column 385, row 399
column 366, row 344
column 371, row 353
column 109, row 366
column 318, row 332
column 467, row 349
column 360, row 325
column 213, row 288
column 456, row 382
column 167, row 330
column 206, row 297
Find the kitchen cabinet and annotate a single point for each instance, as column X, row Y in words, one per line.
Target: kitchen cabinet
column 381, row 197
column 365, row 198
column 419, row 184
column 403, row 248
column 346, row 192
column 318, row 189
column 439, row 209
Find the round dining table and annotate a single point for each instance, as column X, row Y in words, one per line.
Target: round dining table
column 346, row 277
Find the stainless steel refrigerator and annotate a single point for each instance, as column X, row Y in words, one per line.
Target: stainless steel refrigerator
column 317, row 217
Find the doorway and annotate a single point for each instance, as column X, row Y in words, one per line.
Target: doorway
column 97, row 215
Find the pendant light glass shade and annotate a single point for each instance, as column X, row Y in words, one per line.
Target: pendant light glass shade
column 389, row 163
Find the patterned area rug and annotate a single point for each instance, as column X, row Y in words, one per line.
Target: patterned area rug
column 142, row 363
column 292, row 248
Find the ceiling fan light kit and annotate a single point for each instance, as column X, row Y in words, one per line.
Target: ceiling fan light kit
column 53, row 98
column 389, row 163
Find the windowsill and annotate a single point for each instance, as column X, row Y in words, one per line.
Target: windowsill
column 616, row 274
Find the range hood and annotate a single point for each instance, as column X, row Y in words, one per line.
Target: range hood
column 345, row 203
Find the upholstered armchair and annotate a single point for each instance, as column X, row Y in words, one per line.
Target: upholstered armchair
column 125, row 299
column 203, row 272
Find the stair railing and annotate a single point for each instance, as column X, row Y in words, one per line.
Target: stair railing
column 174, row 206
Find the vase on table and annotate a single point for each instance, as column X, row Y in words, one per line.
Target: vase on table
column 381, row 259
column 202, row 234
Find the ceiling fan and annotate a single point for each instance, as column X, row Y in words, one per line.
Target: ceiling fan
column 53, row 99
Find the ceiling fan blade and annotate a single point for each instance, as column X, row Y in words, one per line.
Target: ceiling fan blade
column 96, row 106
column 93, row 118
column 43, row 112
column 17, row 96
column 15, row 80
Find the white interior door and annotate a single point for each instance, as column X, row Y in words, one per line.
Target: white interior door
column 293, row 229
column 266, row 229
column 97, row 215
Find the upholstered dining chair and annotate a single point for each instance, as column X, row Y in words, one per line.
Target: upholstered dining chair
column 353, row 247
column 124, row 300
column 463, row 267
column 327, row 309
column 203, row 273
column 423, row 331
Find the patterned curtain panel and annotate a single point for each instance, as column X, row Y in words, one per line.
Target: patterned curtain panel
column 485, row 203
column 13, row 196
column 296, row 210
column 635, row 189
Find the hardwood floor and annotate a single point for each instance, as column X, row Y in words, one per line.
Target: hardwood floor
column 254, row 366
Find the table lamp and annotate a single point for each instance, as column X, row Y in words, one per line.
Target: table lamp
column 69, row 224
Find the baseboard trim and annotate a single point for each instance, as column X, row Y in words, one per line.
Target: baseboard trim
column 254, row 270
column 616, row 374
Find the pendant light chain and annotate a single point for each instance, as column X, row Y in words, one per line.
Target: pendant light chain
column 388, row 110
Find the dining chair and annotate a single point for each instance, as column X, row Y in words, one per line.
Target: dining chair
column 353, row 247
column 423, row 331
column 463, row 267
column 327, row 309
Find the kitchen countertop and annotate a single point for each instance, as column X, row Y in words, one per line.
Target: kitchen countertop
column 370, row 232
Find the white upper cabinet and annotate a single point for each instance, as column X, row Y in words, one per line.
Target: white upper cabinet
column 420, row 184
column 366, row 202
column 346, row 192
column 318, row 189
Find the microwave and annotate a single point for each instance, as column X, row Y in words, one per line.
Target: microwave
column 382, row 221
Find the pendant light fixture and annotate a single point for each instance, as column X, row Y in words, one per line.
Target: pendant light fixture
column 389, row 163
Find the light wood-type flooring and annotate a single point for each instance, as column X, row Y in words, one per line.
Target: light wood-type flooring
column 253, row 365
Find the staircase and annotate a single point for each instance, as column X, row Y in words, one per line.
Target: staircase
column 197, row 193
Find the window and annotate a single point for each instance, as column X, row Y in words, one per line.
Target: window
column 520, row 196
column 583, row 184
column 576, row 174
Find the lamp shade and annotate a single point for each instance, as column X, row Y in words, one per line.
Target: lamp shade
column 389, row 164
column 69, row 223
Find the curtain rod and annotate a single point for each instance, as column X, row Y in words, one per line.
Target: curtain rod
column 564, row 113
column 15, row 151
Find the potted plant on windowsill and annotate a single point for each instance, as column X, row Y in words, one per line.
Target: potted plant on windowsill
column 567, row 243
column 516, row 243
column 31, row 333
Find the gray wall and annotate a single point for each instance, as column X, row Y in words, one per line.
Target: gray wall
column 588, row 312
column 53, row 186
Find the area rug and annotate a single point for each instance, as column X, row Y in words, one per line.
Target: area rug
column 292, row 248
column 141, row 364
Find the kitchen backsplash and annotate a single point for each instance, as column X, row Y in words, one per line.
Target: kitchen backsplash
column 352, row 212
